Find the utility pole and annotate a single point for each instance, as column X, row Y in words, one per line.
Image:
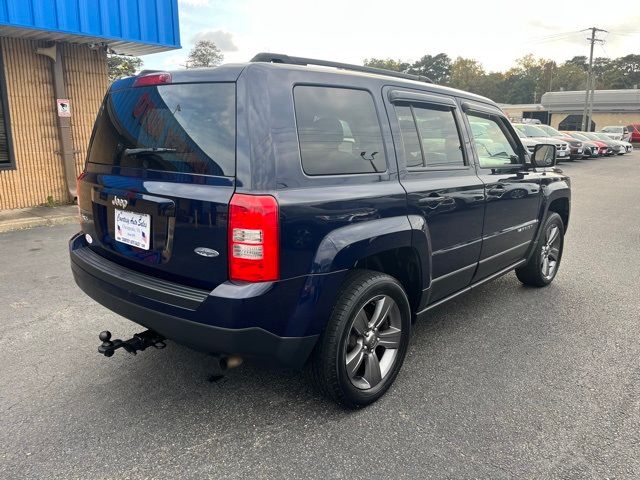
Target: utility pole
column 590, row 87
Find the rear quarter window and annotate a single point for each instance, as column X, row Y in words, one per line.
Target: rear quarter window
column 338, row 131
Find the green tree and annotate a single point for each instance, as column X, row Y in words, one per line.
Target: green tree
column 528, row 80
column 624, row 72
column 580, row 61
column 436, row 67
column 492, row 86
column 387, row 64
column 569, row 76
column 465, row 73
column 204, row 53
column 120, row 66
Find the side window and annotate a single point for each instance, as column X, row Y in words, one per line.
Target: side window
column 430, row 136
column 494, row 144
column 338, row 131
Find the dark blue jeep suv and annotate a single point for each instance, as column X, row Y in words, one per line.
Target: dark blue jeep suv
column 288, row 211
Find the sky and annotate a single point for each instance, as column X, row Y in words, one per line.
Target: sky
column 494, row 32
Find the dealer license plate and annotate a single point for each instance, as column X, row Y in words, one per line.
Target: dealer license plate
column 133, row 228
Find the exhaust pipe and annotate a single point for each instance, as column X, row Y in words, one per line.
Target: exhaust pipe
column 232, row 361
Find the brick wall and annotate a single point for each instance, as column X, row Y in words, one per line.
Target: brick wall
column 39, row 173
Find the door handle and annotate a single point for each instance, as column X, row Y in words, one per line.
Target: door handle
column 432, row 201
column 497, row 191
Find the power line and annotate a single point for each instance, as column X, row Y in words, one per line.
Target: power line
column 550, row 38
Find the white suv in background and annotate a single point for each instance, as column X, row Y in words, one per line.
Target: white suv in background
column 531, row 136
column 617, row 132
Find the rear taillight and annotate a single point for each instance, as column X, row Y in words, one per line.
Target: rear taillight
column 150, row 79
column 254, row 253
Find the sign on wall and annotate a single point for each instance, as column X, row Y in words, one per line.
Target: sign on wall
column 64, row 107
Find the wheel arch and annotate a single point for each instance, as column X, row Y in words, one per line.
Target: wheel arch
column 398, row 246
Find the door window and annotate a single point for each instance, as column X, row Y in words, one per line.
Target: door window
column 494, row 144
column 430, row 137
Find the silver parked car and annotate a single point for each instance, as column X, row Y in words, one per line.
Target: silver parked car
column 617, row 132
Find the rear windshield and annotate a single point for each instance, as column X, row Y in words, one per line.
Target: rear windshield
column 185, row 128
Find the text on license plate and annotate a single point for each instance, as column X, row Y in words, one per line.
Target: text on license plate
column 133, row 228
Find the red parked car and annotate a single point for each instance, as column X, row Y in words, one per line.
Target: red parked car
column 634, row 129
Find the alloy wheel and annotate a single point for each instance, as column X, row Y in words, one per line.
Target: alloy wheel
column 550, row 251
column 374, row 339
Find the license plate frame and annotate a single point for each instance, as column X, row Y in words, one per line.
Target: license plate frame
column 132, row 228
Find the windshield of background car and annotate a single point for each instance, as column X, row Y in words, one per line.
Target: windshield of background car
column 602, row 136
column 578, row 136
column 531, row 131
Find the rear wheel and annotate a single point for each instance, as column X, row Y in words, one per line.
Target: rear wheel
column 543, row 265
column 363, row 347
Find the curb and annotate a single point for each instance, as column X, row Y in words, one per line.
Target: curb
column 26, row 221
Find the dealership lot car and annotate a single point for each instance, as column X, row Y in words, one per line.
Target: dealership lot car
column 577, row 148
column 620, row 146
column 535, row 133
column 287, row 212
column 592, row 148
column 615, row 147
column 617, row 132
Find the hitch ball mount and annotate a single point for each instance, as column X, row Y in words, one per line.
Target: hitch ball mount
column 139, row 342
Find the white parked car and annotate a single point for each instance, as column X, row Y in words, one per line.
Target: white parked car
column 532, row 135
column 617, row 132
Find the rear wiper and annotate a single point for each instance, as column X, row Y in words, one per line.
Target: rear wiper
column 135, row 151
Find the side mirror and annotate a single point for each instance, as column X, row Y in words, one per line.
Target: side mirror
column 544, row 155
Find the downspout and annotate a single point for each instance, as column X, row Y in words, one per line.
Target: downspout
column 64, row 123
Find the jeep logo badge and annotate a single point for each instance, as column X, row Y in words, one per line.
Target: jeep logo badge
column 206, row 252
column 120, row 202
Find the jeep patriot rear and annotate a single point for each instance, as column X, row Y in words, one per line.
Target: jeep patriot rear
column 293, row 213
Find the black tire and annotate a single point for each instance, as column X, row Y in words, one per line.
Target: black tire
column 359, row 291
column 533, row 272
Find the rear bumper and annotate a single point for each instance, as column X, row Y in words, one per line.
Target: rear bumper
column 232, row 319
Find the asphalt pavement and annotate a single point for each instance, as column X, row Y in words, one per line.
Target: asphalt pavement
column 505, row 382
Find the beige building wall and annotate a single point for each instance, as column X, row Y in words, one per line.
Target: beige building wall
column 38, row 176
column 601, row 119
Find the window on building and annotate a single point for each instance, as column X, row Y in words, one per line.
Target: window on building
column 338, row 131
column 6, row 157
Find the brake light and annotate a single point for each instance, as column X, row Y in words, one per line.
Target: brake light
column 150, row 79
column 254, row 250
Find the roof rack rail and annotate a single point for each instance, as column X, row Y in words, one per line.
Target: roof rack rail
column 289, row 60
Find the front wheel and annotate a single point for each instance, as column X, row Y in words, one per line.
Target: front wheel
column 543, row 265
column 363, row 347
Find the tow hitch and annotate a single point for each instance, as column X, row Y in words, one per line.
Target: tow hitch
column 139, row 342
